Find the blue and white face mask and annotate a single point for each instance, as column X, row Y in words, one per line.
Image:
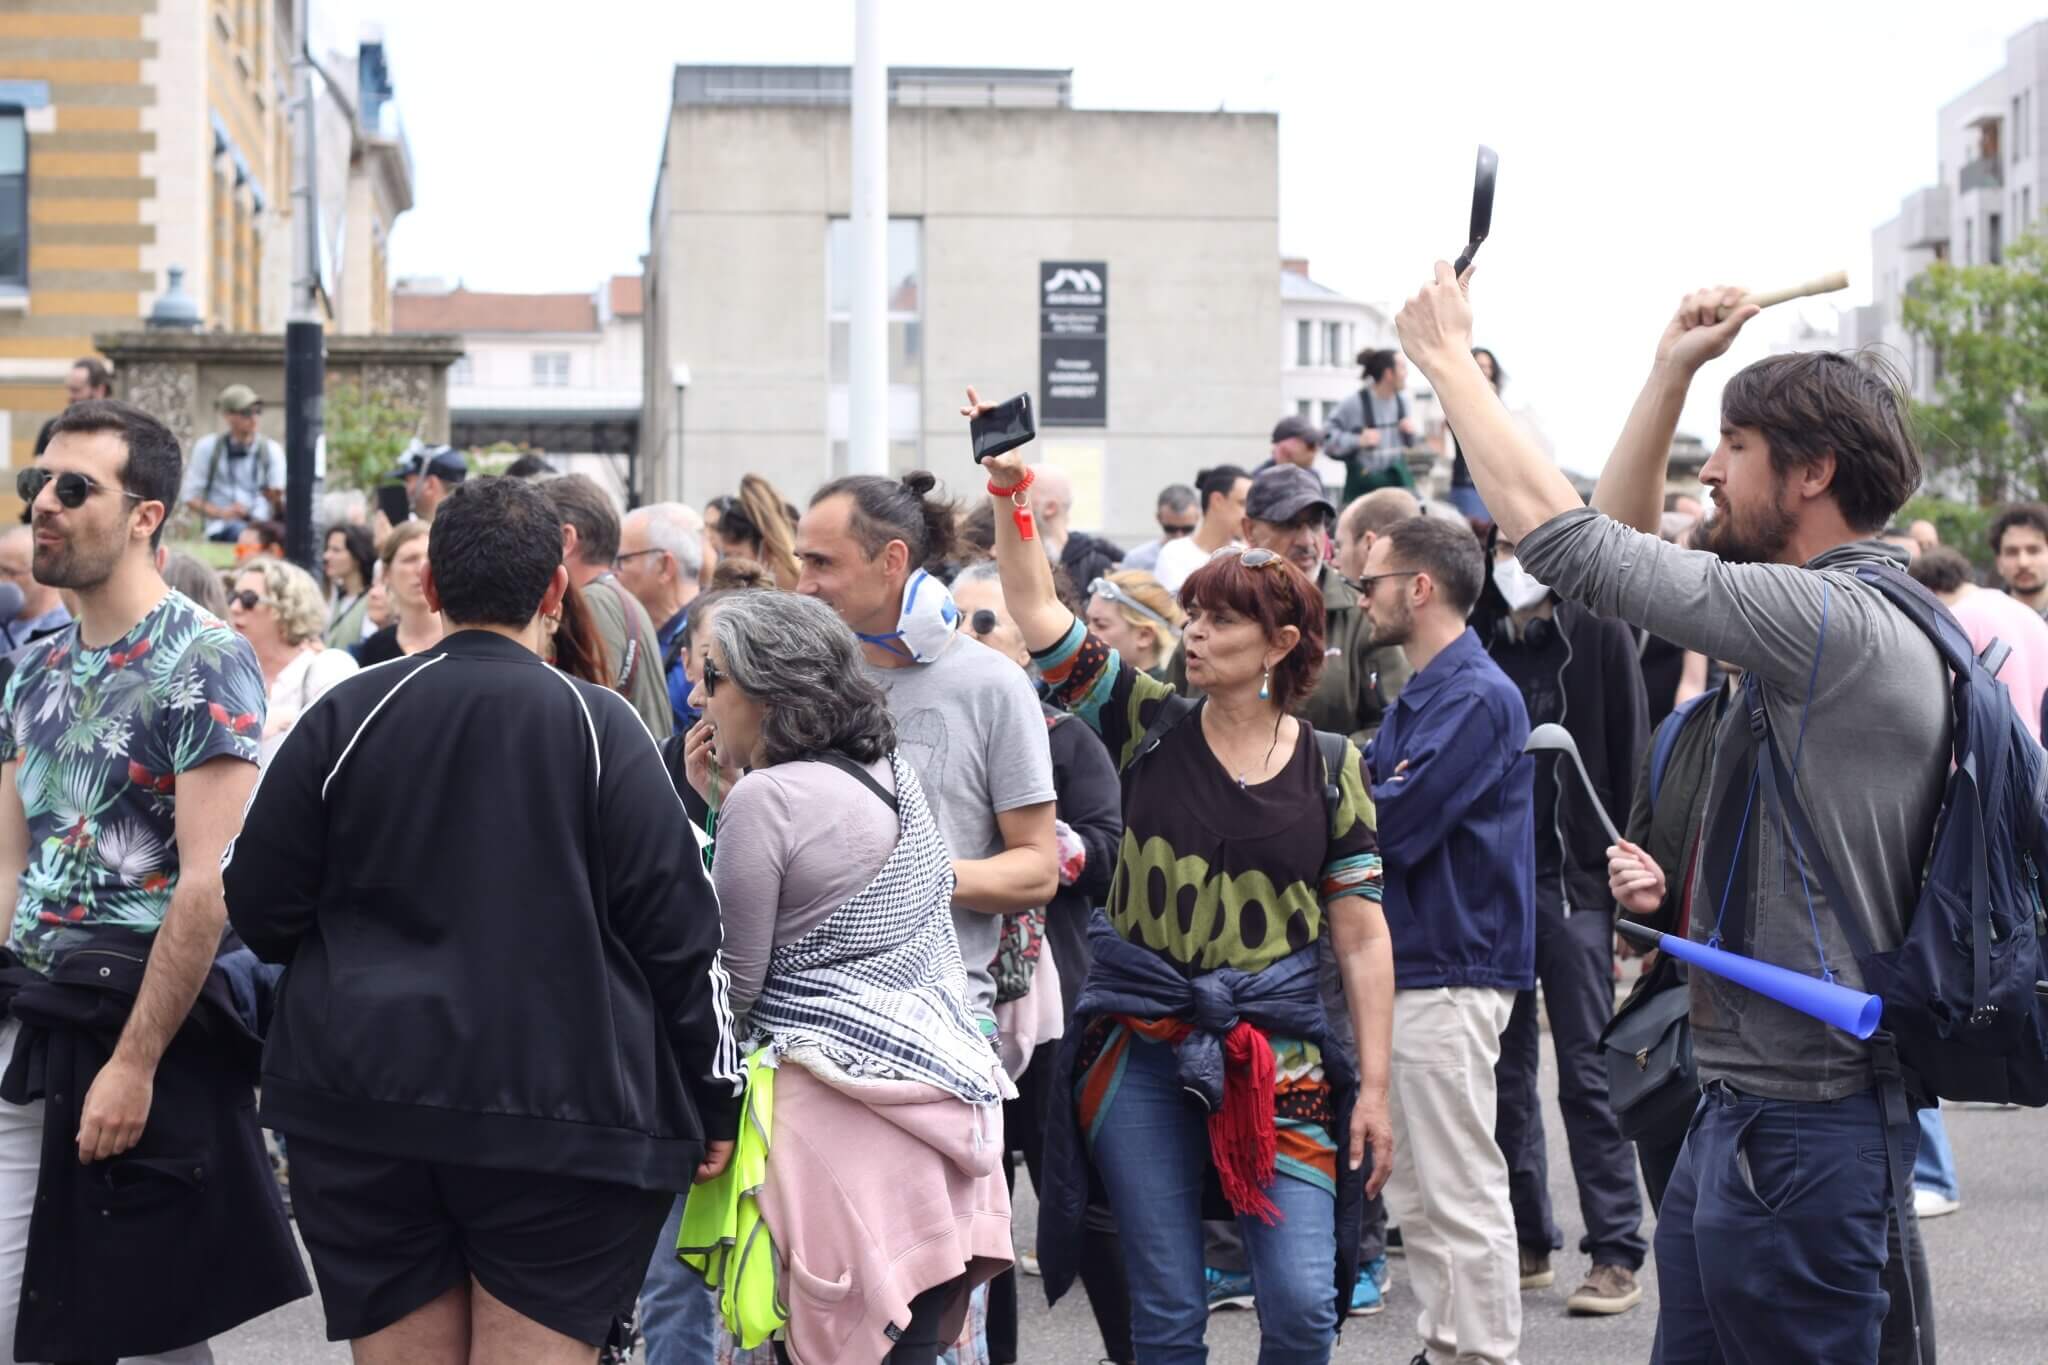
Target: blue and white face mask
column 927, row 623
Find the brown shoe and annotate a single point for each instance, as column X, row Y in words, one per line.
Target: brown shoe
column 1536, row 1271
column 1608, row 1289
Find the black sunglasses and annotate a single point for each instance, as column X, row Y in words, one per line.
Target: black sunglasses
column 246, row 599
column 1172, row 532
column 712, row 677
column 73, row 488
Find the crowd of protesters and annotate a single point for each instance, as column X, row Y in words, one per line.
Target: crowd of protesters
column 677, row 926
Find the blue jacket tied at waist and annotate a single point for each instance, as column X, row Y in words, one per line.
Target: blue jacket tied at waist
column 1129, row 979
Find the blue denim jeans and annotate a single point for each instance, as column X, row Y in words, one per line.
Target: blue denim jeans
column 1152, row 1151
column 1771, row 1239
column 1935, row 1167
column 678, row 1312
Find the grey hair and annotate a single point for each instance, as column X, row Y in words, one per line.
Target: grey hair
column 800, row 661
column 676, row 529
column 980, row 571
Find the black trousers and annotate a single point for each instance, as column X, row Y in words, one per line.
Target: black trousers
column 919, row 1344
column 1102, row 1257
column 1574, row 961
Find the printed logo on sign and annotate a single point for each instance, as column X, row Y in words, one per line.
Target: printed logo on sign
column 1074, row 287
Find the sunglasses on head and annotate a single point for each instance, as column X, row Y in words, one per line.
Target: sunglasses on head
column 247, row 599
column 1251, row 559
column 73, row 488
column 1102, row 587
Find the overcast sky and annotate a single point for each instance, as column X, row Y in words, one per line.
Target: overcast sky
column 1645, row 148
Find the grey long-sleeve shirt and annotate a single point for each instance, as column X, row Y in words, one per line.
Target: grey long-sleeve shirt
column 1870, row 773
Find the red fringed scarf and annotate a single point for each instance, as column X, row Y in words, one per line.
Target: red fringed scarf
column 1241, row 1138
column 1241, row 1133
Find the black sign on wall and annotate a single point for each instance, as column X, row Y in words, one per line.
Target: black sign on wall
column 1073, row 343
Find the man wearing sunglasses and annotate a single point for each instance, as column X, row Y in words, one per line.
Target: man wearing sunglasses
column 1179, row 513
column 236, row 476
column 127, row 753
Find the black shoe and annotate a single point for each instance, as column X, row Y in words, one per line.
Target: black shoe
column 1394, row 1244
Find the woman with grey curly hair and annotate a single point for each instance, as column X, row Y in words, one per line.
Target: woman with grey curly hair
column 278, row 608
column 836, row 889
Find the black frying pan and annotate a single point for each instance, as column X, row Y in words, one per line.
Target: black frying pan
column 1483, row 172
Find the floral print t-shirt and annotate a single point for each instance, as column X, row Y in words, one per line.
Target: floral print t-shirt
column 100, row 736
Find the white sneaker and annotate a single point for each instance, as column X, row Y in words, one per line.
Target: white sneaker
column 1933, row 1204
column 1027, row 1262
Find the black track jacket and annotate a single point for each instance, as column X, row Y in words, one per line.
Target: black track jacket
column 501, row 946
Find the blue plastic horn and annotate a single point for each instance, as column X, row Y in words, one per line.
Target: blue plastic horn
column 1853, row 1012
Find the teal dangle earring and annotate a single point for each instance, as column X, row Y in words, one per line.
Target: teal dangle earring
column 1266, row 686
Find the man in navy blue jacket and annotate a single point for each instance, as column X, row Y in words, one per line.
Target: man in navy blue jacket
column 1456, row 825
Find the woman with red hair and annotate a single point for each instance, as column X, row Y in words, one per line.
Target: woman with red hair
column 1197, row 1060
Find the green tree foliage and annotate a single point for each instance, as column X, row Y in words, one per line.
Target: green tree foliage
column 1987, row 326
column 366, row 433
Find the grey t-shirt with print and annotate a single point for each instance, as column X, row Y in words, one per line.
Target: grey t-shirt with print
column 971, row 726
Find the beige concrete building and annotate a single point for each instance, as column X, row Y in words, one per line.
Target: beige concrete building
column 1005, row 204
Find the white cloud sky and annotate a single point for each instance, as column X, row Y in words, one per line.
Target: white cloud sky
column 1645, row 148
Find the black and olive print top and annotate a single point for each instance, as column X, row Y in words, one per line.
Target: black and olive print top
column 1212, row 874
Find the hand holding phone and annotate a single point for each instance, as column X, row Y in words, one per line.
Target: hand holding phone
column 1001, row 427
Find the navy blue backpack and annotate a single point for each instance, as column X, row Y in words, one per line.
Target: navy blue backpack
column 1960, row 997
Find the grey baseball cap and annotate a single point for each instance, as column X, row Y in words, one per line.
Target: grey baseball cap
column 1283, row 492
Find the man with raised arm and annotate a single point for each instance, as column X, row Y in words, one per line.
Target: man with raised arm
column 1773, row 1202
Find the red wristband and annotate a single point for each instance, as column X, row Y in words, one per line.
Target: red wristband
column 1018, row 487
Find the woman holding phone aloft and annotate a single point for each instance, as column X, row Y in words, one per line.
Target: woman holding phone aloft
column 1235, row 853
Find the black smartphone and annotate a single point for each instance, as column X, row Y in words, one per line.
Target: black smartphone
column 391, row 501
column 1003, row 427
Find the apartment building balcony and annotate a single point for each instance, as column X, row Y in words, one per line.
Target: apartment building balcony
column 1982, row 174
column 1924, row 217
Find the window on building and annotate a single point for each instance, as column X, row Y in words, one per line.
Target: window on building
column 1333, row 345
column 463, row 371
column 1969, row 241
column 1323, row 411
column 1994, row 240
column 1304, row 408
column 2016, row 126
column 1304, row 343
column 551, row 369
column 13, row 200
column 905, row 302
column 2026, row 209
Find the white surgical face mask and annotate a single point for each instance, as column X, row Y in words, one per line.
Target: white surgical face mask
column 927, row 623
column 1521, row 589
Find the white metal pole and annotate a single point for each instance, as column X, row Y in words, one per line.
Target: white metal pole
column 868, row 344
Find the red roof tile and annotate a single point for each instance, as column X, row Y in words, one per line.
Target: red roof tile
column 626, row 301
column 464, row 311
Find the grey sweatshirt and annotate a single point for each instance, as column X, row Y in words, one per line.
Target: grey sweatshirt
column 1870, row 773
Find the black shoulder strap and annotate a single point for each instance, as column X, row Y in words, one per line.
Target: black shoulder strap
column 1172, row 712
column 1331, row 745
column 857, row 773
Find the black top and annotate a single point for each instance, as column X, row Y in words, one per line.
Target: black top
column 380, row 648
column 526, row 975
column 1581, row 673
column 1089, row 799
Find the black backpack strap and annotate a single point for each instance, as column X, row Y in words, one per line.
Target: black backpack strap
column 857, row 773
column 1331, row 746
column 1171, row 713
column 1994, row 656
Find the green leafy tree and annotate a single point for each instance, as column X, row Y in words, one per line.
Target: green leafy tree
column 1987, row 326
column 366, row 433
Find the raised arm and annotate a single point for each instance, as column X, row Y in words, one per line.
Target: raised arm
column 1521, row 487
column 1631, row 487
column 1026, row 572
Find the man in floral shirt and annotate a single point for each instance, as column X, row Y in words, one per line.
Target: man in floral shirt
column 129, row 751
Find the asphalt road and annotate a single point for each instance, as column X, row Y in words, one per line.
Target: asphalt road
column 1987, row 1259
